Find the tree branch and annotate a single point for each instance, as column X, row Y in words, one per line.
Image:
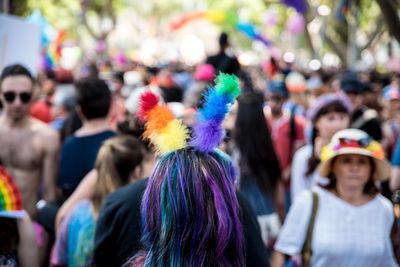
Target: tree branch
column 336, row 47
column 389, row 13
column 377, row 32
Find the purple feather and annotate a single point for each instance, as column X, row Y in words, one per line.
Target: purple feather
column 207, row 135
column 299, row 5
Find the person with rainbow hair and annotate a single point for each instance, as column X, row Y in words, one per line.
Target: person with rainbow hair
column 190, row 211
column 189, row 208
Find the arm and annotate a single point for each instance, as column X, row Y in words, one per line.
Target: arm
column 50, row 165
column 277, row 259
column 280, row 201
column 84, row 190
column 394, row 182
column 293, row 233
column 389, row 258
column 299, row 165
column 28, row 253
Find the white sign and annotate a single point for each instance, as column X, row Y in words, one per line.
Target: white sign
column 19, row 43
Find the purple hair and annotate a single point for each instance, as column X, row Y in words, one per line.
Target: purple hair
column 190, row 212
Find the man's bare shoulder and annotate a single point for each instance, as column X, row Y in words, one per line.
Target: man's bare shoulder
column 44, row 131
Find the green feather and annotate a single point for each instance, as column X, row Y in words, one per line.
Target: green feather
column 227, row 84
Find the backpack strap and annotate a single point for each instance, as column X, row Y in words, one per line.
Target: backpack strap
column 307, row 250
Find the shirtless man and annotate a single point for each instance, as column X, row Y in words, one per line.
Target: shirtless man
column 29, row 149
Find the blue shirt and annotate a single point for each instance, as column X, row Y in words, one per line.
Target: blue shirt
column 396, row 155
column 78, row 155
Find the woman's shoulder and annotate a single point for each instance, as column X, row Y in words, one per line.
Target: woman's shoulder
column 384, row 203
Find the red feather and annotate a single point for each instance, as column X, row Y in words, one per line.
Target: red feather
column 148, row 101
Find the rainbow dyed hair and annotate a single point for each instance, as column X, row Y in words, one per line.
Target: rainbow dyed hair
column 189, row 210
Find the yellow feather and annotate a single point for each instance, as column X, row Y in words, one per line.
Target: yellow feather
column 170, row 138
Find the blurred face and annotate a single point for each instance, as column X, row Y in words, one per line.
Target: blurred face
column 393, row 108
column 355, row 99
column 330, row 123
column 275, row 103
column 16, row 96
column 352, row 171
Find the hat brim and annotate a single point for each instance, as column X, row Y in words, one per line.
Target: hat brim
column 382, row 168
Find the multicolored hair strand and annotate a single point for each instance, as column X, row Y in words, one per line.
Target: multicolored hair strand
column 190, row 212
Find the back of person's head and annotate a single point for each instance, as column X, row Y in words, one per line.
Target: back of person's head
column 351, row 84
column 116, row 161
column 253, row 139
column 93, row 98
column 278, row 87
column 223, row 40
column 190, row 212
column 15, row 70
column 119, row 76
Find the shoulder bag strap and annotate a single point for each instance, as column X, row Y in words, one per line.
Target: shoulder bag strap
column 307, row 250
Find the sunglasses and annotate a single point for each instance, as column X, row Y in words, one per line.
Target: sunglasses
column 10, row 97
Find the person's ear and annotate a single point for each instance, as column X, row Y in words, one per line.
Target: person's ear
column 137, row 173
column 79, row 112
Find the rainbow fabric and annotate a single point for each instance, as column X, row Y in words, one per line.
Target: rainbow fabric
column 368, row 145
column 10, row 198
column 162, row 129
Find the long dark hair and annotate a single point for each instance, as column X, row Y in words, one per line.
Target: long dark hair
column 335, row 106
column 253, row 139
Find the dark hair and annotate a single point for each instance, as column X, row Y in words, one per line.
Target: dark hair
column 133, row 127
column 71, row 124
column 253, row 139
column 369, row 188
column 223, row 39
column 118, row 75
column 116, row 160
column 93, row 97
column 314, row 160
column 8, row 235
column 16, row 70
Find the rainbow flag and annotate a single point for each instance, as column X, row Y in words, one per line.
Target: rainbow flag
column 10, row 197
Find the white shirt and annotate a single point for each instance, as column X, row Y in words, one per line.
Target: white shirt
column 299, row 181
column 344, row 235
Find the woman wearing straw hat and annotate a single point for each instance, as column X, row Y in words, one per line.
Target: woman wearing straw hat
column 347, row 222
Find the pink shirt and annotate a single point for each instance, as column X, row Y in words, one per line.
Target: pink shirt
column 280, row 133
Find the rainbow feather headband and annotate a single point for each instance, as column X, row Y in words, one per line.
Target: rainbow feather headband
column 169, row 134
column 208, row 132
column 163, row 130
column 10, row 198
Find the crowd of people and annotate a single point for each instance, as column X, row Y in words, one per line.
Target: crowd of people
column 214, row 165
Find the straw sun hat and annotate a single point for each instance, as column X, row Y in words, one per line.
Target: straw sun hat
column 354, row 141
